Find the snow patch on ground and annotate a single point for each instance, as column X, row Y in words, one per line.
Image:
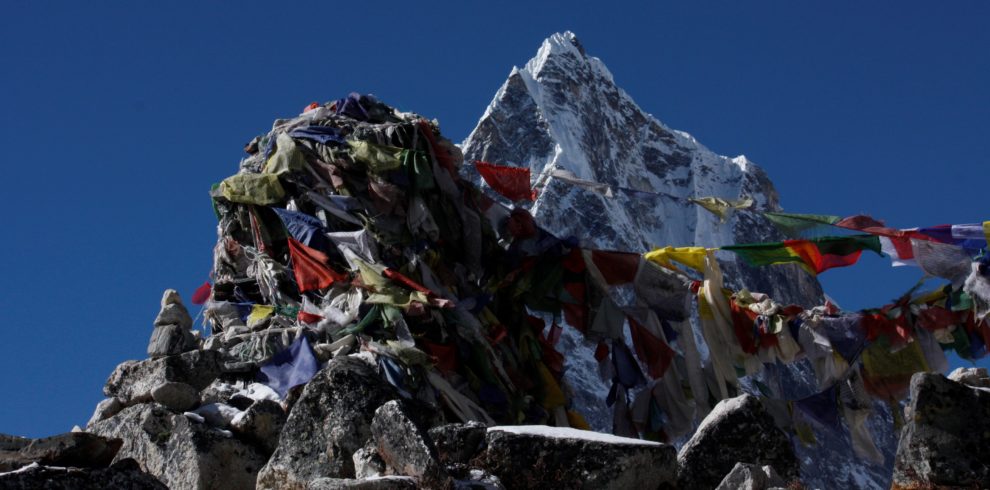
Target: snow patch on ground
column 569, row 433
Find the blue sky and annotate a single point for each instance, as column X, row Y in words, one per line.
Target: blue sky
column 115, row 119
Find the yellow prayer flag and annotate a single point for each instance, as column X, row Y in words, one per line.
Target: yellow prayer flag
column 260, row 312
column 693, row 257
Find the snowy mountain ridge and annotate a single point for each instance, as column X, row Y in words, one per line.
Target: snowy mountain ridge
column 563, row 111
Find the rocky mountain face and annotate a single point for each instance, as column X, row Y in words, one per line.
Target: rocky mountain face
column 563, row 111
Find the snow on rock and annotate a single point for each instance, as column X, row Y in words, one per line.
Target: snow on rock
column 569, row 433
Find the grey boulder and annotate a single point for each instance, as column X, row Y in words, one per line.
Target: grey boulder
column 133, row 381
column 173, row 312
column 459, row 443
column 183, row 454
column 946, row 441
column 79, row 449
column 381, row 483
column 746, row 476
column 261, row 423
column 122, row 474
column 170, row 340
column 330, row 421
column 105, row 409
column 404, row 445
column 554, row 457
column 176, row 396
column 738, row 430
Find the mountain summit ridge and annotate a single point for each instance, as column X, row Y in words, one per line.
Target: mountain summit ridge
column 562, row 111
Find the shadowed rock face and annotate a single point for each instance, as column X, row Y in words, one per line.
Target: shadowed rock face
column 331, row 420
column 738, row 430
column 946, row 442
column 180, row 452
column 563, row 110
column 123, row 474
column 562, row 458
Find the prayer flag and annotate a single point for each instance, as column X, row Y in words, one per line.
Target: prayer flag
column 650, row 349
column 793, row 225
column 511, row 182
column 815, row 256
column 722, row 207
column 310, row 269
column 202, row 294
column 291, row 367
column 693, row 257
column 303, row 227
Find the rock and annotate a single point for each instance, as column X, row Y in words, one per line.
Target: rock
column 368, row 463
column 261, row 423
column 133, row 381
column 105, row 409
column 13, row 443
column 404, row 445
column 122, row 474
column 737, row 430
column 170, row 340
column 746, row 476
column 218, row 391
column 181, row 453
column 380, row 483
column 558, row 457
column 173, row 312
column 976, row 376
column 330, row 421
column 458, row 443
column 176, row 396
column 79, row 449
column 946, row 442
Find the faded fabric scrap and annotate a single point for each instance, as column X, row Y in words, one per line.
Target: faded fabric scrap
column 616, row 267
column 310, row 269
column 294, row 366
column 822, row 407
column 886, row 374
column 943, row 260
column 511, row 182
column 663, row 290
column 650, row 346
column 287, row 158
column 794, row 225
column 378, row 158
column 589, row 185
column 319, row 134
column 260, row 189
column 722, row 207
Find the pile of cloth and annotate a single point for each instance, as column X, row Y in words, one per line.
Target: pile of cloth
column 349, row 231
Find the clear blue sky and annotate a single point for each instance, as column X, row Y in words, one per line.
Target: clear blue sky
column 116, row 118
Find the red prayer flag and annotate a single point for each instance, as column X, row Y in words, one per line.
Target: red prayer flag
column 616, row 267
column 202, row 294
column 445, row 356
column 405, row 281
column 511, row 182
column 310, row 269
column 650, row 349
column 307, row 317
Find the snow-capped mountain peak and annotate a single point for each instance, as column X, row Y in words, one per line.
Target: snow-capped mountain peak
column 562, row 111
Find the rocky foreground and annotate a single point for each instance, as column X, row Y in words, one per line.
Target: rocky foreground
column 192, row 421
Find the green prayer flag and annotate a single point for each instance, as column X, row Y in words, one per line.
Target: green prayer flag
column 793, row 225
